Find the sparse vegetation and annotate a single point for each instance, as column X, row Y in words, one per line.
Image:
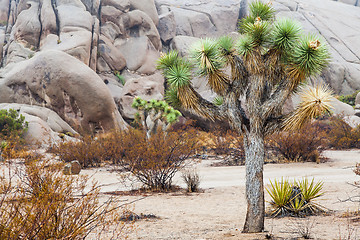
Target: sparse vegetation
column 341, row 136
column 38, row 202
column 192, row 179
column 305, row 144
column 120, row 78
column 89, row 151
column 155, row 160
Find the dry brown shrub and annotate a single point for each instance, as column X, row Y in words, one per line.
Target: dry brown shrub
column 305, row 144
column 88, row 151
column 153, row 161
column 156, row 160
column 228, row 143
column 341, row 136
column 38, row 202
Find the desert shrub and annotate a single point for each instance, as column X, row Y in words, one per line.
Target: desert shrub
column 88, row 151
column 295, row 198
column 154, row 161
column 349, row 99
column 13, row 147
column 228, row 143
column 11, row 123
column 341, row 136
column 38, row 202
column 192, row 179
column 305, row 144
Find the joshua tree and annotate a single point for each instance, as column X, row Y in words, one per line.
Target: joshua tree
column 153, row 114
column 270, row 62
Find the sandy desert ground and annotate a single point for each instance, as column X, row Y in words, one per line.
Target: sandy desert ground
column 219, row 211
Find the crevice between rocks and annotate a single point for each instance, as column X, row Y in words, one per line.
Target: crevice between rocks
column 92, row 40
column 41, row 25
column 54, row 7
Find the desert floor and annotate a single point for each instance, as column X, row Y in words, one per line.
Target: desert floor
column 219, row 211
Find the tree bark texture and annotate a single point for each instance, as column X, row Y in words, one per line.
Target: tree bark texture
column 254, row 162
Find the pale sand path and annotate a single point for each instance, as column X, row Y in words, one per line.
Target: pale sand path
column 219, row 212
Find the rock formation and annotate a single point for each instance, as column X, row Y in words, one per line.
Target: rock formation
column 67, row 55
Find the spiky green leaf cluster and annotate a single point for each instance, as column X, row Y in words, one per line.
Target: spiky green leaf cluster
column 295, row 198
column 311, row 55
column 178, row 76
column 168, row 60
column 218, row 100
column 226, row 45
column 171, row 97
column 245, row 46
column 285, row 34
column 177, row 73
column 259, row 32
column 257, row 10
column 207, row 56
column 170, row 114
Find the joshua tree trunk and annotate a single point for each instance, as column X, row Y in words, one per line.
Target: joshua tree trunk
column 254, row 161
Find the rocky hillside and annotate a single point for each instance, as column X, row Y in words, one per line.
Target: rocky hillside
column 87, row 59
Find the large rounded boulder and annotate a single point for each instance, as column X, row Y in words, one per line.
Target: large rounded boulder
column 58, row 81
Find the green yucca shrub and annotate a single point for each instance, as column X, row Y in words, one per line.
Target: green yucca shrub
column 12, row 123
column 296, row 198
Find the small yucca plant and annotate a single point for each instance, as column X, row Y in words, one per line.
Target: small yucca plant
column 295, row 198
column 280, row 193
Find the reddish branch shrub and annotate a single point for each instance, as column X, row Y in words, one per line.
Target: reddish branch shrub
column 341, row 136
column 153, row 161
column 156, row 160
column 305, row 144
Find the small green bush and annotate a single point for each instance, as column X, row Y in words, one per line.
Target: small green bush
column 295, row 198
column 349, row 99
column 11, row 123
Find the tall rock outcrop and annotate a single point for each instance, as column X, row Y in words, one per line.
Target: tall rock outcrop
column 67, row 55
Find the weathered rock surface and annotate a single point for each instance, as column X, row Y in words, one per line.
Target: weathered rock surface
column 182, row 44
column 339, row 24
column 352, row 121
column 72, row 168
column 147, row 87
column 44, row 124
column 130, row 37
column 167, row 26
column 62, row 83
column 205, row 18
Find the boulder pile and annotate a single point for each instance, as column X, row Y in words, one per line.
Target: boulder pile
column 86, row 60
